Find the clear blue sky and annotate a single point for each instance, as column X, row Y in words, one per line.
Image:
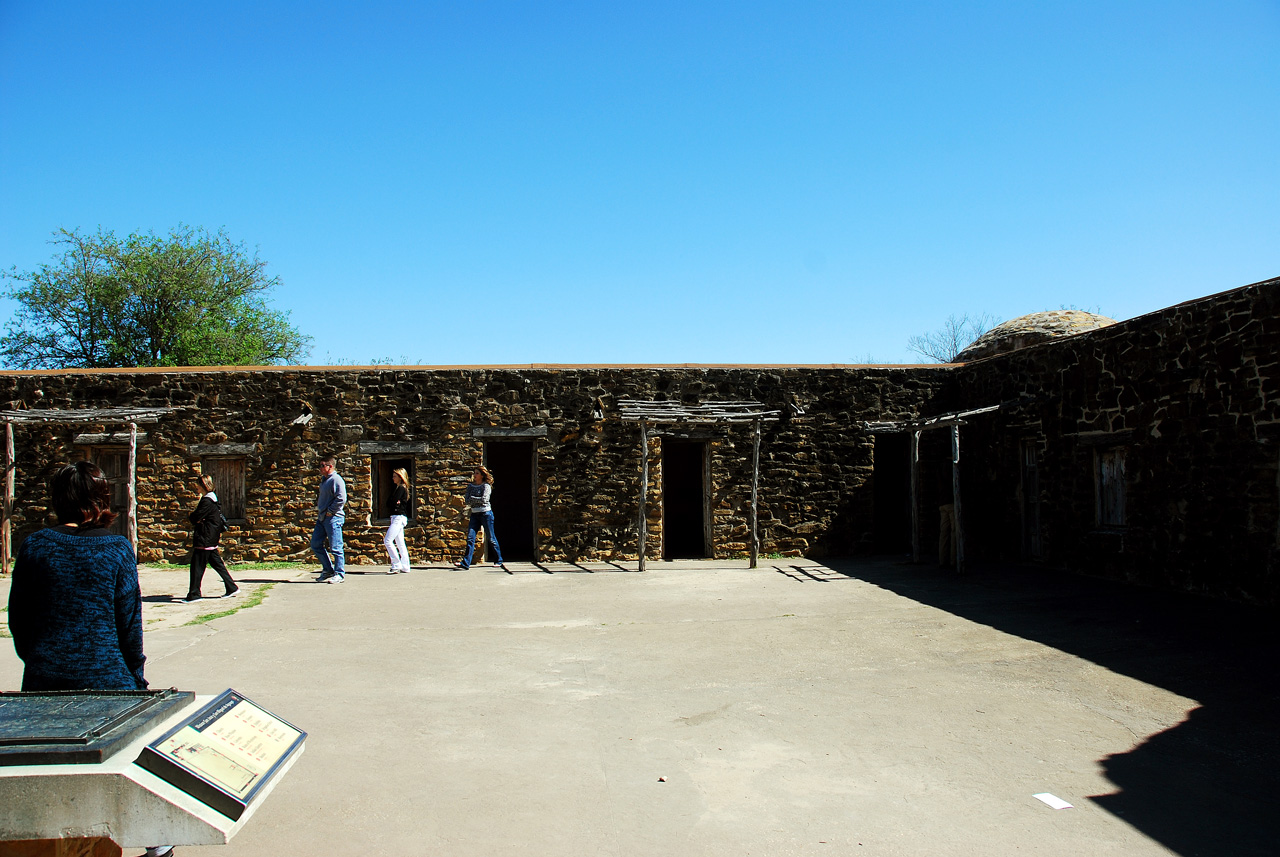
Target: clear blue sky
column 788, row 182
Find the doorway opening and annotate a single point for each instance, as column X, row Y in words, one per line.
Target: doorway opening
column 685, row 534
column 891, row 493
column 513, row 464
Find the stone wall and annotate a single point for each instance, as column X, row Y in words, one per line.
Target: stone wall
column 815, row 479
column 1190, row 398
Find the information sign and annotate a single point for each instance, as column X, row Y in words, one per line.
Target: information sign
column 225, row 753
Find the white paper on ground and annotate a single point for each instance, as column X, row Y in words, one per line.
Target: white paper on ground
column 1055, row 802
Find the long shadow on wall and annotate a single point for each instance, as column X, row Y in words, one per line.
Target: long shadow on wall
column 1203, row 787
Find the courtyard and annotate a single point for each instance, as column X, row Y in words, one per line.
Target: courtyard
column 705, row 708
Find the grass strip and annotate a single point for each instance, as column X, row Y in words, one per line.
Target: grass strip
column 265, row 566
column 251, row 601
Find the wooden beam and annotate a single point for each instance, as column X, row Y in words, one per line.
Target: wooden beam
column 118, row 416
column 644, row 489
column 755, row 491
column 915, row 495
column 9, row 466
column 940, row 421
column 133, row 487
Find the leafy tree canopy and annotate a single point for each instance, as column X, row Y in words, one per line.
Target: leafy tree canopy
column 191, row 298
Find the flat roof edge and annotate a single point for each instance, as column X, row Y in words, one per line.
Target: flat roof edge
column 567, row 367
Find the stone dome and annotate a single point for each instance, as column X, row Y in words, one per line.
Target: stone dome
column 1031, row 330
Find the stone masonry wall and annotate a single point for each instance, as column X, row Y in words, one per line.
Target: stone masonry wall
column 1191, row 395
column 815, row 480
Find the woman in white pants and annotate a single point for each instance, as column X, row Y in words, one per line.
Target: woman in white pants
column 394, row 539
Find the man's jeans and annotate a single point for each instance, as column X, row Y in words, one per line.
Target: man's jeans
column 329, row 529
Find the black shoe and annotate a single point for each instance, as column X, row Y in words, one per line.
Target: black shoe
column 191, row 598
column 232, row 593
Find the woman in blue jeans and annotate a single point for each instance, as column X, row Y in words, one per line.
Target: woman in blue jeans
column 481, row 515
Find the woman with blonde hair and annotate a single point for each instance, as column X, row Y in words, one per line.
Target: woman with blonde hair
column 394, row 539
column 480, row 515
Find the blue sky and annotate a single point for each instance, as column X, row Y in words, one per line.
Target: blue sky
column 790, row 182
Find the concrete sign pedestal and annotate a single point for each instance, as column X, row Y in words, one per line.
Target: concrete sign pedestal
column 116, row 800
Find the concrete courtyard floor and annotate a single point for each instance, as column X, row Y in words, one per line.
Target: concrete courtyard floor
column 704, row 708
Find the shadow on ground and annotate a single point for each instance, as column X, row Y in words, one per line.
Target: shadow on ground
column 1204, row 787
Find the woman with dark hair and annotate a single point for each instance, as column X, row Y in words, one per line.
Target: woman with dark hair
column 206, row 525
column 479, row 491
column 75, row 609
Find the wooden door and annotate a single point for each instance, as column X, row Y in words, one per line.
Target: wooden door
column 113, row 461
column 1030, row 500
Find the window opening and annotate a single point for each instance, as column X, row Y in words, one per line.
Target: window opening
column 383, row 485
column 228, row 483
column 113, row 461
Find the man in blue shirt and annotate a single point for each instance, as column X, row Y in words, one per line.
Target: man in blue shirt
column 330, row 514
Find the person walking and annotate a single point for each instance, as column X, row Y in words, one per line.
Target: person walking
column 207, row 524
column 330, row 505
column 394, row 539
column 481, row 515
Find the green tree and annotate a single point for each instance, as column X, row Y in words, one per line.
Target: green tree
column 191, row 298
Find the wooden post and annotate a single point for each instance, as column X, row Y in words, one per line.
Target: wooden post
column 133, row 487
column 955, row 497
column 644, row 488
column 915, row 495
column 9, row 466
column 755, row 490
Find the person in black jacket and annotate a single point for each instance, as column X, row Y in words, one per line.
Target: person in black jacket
column 206, row 525
column 394, row 540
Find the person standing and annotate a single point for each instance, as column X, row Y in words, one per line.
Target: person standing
column 481, row 515
column 75, row 608
column 207, row 522
column 394, row 539
column 330, row 505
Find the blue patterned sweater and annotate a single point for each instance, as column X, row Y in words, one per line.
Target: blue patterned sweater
column 75, row 611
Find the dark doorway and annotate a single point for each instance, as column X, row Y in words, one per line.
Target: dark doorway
column 113, row 461
column 684, row 500
column 384, row 486
column 512, row 464
column 891, row 484
column 1030, row 500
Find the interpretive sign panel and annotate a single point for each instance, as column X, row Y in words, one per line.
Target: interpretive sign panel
column 224, row 753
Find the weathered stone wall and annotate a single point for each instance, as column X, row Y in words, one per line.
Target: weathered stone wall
column 815, row 480
column 1191, row 394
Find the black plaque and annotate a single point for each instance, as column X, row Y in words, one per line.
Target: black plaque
column 79, row 727
column 224, row 753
